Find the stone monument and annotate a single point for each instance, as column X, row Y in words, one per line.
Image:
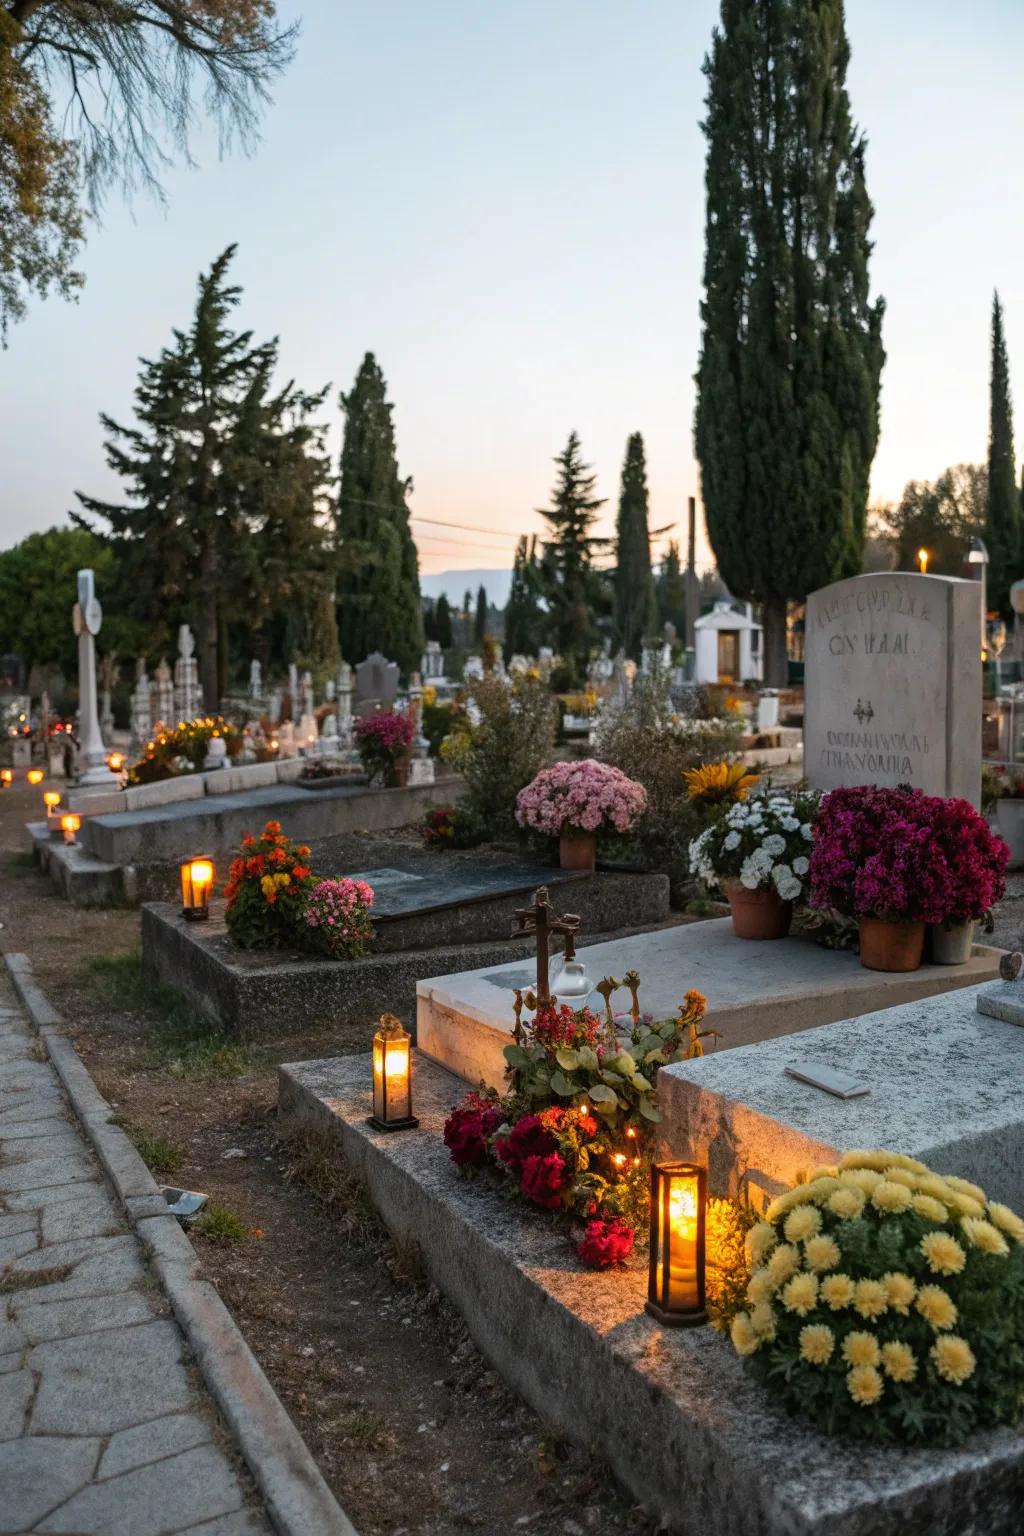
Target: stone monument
column 87, row 616
column 188, row 696
column 162, row 709
column 432, row 662
column 141, row 718
column 343, row 698
column 255, row 680
column 893, row 684
column 376, row 683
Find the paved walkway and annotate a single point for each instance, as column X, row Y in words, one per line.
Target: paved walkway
column 104, row 1426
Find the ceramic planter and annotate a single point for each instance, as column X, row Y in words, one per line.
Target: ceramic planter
column 951, row 944
column 577, row 850
column 886, row 946
column 1009, row 823
column 760, row 914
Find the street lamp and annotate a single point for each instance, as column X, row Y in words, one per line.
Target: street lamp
column 978, row 555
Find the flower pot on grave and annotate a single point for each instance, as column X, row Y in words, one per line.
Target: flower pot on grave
column 576, row 849
column 951, row 943
column 760, row 914
column 399, row 776
column 888, row 946
column 1009, row 820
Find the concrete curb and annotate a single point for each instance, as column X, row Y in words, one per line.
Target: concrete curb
column 298, row 1499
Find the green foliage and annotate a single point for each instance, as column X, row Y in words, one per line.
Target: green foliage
column 219, row 1224
column 636, row 609
column 1003, row 533
column 180, row 1040
column 480, row 618
column 791, row 353
column 38, row 588
column 498, row 757
column 671, row 590
column 523, row 617
column 159, row 1153
column 184, row 749
column 941, row 518
column 378, row 588
column 436, row 720
column 569, row 582
column 443, row 622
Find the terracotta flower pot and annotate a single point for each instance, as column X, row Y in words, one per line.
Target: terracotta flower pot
column 399, row 772
column 886, row 946
column 577, row 850
column 760, row 914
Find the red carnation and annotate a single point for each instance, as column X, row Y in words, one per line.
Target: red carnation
column 606, row 1243
column 527, row 1138
column 540, row 1180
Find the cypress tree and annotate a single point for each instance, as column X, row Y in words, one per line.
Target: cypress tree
column 443, row 622
column 791, row 356
column 570, row 583
column 1003, row 527
column 636, row 612
column 522, row 612
column 379, row 605
column 672, row 591
column 480, row 621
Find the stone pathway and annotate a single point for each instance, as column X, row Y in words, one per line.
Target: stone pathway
column 105, row 1427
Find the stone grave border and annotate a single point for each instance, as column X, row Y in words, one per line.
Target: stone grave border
column 297, row 1497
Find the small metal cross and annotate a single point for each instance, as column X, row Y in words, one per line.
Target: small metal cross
column 542, row 920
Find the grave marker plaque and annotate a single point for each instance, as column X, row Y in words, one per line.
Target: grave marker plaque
column 893, row 684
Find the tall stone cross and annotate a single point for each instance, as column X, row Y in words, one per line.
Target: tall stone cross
column 86, row 617
column 542, row 920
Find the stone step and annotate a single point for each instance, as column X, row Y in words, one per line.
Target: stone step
column 82, row 879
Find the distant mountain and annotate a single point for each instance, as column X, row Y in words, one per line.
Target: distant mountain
column 457, row 583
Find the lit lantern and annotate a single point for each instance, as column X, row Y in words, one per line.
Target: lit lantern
column 70, row 825
column 35, row 775
column 392, row 1077
column 51, row 799
column 6, row 777
column 115, row 761
column 675, row 1290
column 196, row 884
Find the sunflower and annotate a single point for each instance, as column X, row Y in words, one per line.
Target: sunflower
column 717, row 783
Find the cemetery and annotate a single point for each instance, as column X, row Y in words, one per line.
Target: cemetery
column 511, row 1000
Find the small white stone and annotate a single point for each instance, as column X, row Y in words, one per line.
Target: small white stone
column 233, row 1152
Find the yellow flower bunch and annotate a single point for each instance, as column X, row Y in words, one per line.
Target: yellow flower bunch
column 719, row 783
column 858, row 1277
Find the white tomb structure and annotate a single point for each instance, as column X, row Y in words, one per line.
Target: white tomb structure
column 188, row 696
column 87, row 617
column 728, row 646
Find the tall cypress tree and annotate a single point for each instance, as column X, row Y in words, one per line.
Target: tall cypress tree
column 443, row 622
column 379, row 605
column 672, row 591
column 1003, row 526
column 522, row 612
column 480, row 621
column 569, row 580
column 636, row 609
column 791, row 356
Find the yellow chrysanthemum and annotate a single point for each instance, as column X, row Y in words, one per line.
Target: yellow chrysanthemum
column 864, row 1385
column 267, row 885
column 1007, row 1220
column 821, row 1186
column 717, row 783
column 760, row 1241
column 861, row 1349
column 871, row 1298
column 902, row 1176
column 898, row 1361
column 802, row 1223
column 888, row 1196
column 784, row 1261
column 847, row 1204
column 863, row 1179
column 817, row 1342
column 762, row 1320
column 837, row 1291
column 929, row 1208
column 823, row 1173
column 744, row 1340
column 760, row 1287
column 983, row 1235
column 931, row 1184
column 879, row 1159
column 965, row 1187
column 800, row 1194
column 954, row 1358
column 935, row 1306
column 944, row 1254
column 800, row 1294
column 900, row 1290
column 965, row 1205
column 822, row 1252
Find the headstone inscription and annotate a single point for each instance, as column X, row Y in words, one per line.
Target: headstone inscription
column 893, row 684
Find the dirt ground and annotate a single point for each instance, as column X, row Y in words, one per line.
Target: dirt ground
column 416, row 1436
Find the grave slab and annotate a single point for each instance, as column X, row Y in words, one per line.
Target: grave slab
column 754, row 990
column 680, row 1421
column 944, row 1085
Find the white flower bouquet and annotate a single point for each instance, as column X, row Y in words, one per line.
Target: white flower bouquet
column 763, row 842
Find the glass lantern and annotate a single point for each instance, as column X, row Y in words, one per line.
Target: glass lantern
column 196, row 885
column 70, row 825
column 35, row 776
column 392, row 1077
column 51, row 799
column 6, row 777
column 675, row 1289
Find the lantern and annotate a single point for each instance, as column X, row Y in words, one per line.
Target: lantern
column 196, row 884
column 115, row 761
column 35, row 775
column 51, row 799
column 70, row 824
column 922, row 561
column 6, row 777
column 675, row 1289
column 392, row 1077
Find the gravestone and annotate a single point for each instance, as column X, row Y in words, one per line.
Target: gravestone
column 255, row 680
column 163, row 695
column 432, row 662
column 376, row 682
column 188, row 696
column 87, row 616
column 141, row 719
column 893, row 684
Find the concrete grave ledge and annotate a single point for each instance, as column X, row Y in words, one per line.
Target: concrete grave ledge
column 673, row 1411
column 83, row 880
column 945, row 1085
column 754, row 990
column 297, row 1498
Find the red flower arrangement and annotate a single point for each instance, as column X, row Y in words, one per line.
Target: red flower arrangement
column 381, row 739
column 606, row 1243
column 273, row 898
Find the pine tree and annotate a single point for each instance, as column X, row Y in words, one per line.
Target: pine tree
column 570, row 583
column 378, row 576
column 636, row 612
column 225, row 484
column 1003, row 528
column 443, row 623
column 791, row 356
column 480, row 618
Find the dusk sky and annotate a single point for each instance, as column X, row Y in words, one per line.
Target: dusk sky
column 503, row 199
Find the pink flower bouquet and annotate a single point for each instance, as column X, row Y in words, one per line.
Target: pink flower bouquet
column 580, row 797
column 337, row 917
column 382, row 739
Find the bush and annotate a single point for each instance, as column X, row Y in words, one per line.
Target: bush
column 887, row 1302
column 183, row 750
column 452, row 826
column 436, row 720
column 267, row 890
column 505, row 738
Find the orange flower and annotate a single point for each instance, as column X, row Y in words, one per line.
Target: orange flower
column 696, row 1003
column 303, row 851
column 299, row 871
column 277, row 856
column 248, row 840
column 272, row 828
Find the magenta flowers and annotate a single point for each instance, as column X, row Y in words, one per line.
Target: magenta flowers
column 905, row 856
column 581, row 797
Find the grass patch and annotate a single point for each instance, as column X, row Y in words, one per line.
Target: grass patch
column 180, row 1041
column 21, row 863
column 365, row 1426
column 159, row 1153
column 219, row 1224
column 31, row 1279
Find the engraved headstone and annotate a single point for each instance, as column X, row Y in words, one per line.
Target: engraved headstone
column 893, row 684
column 141, row 719
column 188, row 696
column 432, row 661
column 162, row 711
column 255, row 680
column 377, row 681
